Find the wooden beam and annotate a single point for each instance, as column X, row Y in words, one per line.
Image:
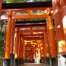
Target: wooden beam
column 33, row 38
column 26, row 31
column 34, row 35
column 15, row 16
column 30, row 16
column 20, row 27
column 31, row 27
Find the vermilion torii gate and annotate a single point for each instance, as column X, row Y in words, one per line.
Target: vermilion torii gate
column 12, row 16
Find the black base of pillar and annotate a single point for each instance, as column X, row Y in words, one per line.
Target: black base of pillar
column 16, row 62
column 21, row 61
column 12, row 59
column 54, row 62
column 48, row 61
column 42, row 60
column 64, row 55
column 6, row 62
column 33, row 61
column 12, row 56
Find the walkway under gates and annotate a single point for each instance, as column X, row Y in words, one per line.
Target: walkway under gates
column 33, row 64
column 35, row 38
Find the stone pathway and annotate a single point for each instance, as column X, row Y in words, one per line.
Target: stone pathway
column 33, row 64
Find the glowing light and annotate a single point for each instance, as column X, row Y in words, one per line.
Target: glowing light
column 58, row 26
column 56, row 11
column 47, row 54
column 52, row 11
column 50, row 27
column 60, row 45
column 26, row 41
column 34, row 32
column 41, row 48
column 64, row 21
column 41, row 44
column 3, row 17
column 31, row 42
column 45, row 11
column 16, row 56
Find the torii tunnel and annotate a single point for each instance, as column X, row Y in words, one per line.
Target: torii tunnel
column 34, row 41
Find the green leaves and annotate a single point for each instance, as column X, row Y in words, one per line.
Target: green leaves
column 1, row 44
column 18, row 1
column 15, row 1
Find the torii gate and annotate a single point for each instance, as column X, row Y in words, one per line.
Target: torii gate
column 58, row 22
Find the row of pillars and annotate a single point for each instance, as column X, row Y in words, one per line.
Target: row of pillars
column 59, row 8
column 13, row 52
column 10, row 39
column 19, row 53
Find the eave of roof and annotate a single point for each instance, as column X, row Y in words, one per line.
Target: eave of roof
column 26, row 5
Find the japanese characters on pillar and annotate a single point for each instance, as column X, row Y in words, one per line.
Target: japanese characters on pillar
column 51, row 34
column 59, row 27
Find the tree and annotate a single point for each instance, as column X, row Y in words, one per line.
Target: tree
column 15, row 1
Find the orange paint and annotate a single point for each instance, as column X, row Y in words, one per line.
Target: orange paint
column 51, row 34
column 63, row 12
column 12, row 36
column 8, row 36
column 21, row 48
column 17, row 44
column 46, row 45
column 28, row 15
column 58, row 25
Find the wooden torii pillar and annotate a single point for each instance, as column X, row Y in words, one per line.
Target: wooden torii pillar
column 58, row 24
column 16, row 58
column 21, row 60
column 44, row 50
column 46, row 45
column 23, row 44
column 6, row 61
column 63, row 11
column 12, row 41
column 59, row 27
column 51, row 36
